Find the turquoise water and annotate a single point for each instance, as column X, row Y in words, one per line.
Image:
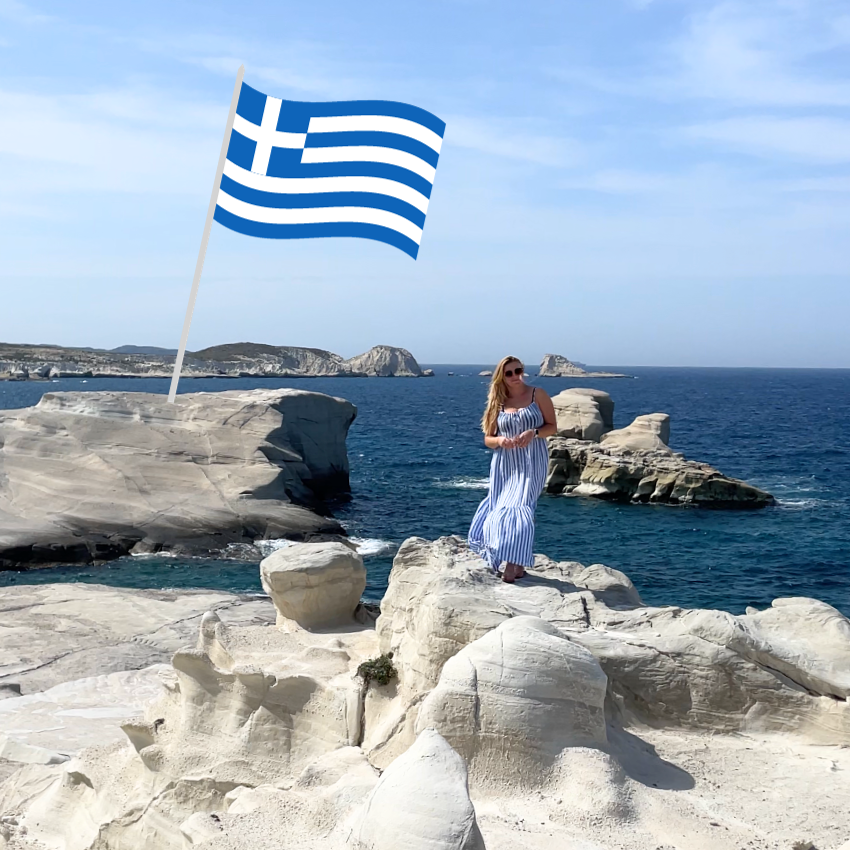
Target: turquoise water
column 419, row 467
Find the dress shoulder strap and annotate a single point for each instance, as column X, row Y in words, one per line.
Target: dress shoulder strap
column 533, row 391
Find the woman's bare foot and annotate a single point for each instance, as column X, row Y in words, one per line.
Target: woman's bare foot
column 520, row 572
column 509, row 575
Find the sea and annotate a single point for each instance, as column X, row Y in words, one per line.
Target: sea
column 419, row 467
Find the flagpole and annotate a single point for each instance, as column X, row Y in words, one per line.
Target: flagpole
column 178, row 363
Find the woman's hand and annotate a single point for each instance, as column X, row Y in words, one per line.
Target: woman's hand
column 524, row 438
column 506, row 442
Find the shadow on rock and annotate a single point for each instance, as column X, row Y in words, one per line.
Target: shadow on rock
column 642, row 763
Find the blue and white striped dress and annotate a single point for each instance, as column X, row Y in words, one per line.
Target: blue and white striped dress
column 503, row 526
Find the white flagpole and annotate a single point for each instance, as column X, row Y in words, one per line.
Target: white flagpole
column 178, row 363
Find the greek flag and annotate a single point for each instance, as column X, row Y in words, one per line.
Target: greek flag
column 360, row 168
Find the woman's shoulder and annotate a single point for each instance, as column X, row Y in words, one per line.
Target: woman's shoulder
column 538, row 392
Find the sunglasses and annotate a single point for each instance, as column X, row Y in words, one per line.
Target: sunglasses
column 509, row 373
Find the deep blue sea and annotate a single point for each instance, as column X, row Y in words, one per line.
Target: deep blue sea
column 419, row 467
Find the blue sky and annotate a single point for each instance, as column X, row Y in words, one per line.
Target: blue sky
column 625, row 182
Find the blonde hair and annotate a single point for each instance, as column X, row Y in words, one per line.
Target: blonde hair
column 496, row 397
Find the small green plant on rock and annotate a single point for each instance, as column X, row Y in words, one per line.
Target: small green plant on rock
column 378, row 669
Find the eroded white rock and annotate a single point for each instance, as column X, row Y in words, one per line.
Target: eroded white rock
column 421, row 802
column 317, row 585
column 512, row 701
column 583, row 413
column 650, row 432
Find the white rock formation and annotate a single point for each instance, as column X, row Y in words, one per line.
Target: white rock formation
column 586, row 719
column 583, row 413
column 557, row 366
column 421, row 802
column 317, row 585
column 254, row 464
column 103, row 629
column 513, row 700
column 49, row 727
column 650, row 432
column 635, row 463
column 384, row 361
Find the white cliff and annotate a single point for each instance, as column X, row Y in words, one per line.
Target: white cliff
column 91, row 476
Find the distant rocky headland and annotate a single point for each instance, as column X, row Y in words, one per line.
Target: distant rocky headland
column 556, row 366
column 234, row 360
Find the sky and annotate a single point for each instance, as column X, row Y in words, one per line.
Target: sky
column 623, row 182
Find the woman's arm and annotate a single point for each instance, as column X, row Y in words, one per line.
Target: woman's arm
column 497, row 442
column 550, row 422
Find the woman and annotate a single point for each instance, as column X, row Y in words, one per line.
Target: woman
column 516, row 422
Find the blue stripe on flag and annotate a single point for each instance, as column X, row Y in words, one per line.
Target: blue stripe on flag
column 282, row 163
column 309, row 200
column 315, row 231
column 251, row 104
column 373, row 139
column 295, row 115
column 241, row 150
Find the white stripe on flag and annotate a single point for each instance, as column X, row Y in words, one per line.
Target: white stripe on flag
column 367, row 153
column 308, row 185
column 375, row 124
column 268, row 130
column 319, row 215
column 280, row 139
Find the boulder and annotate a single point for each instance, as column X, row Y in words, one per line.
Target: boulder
column 385, row 361
column 513, row 700
column 583, row 413
column 421, row 802
column 85, row 477
column 650, row 432
column 317, row 585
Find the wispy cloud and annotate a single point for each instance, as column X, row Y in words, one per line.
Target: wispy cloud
column 312, row 69
column 13, row 10
column 114, row 141
column 763, row 53
column 511, row 140
column 819, row 140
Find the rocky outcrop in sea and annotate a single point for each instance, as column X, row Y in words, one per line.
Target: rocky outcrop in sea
column 86, row 477
column 237, row 360
column 587, row 457
column 384, row 361
column 556, row 712
column 557, row 366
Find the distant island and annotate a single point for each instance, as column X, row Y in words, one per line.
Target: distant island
column 234, row 360
column 557, row 366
